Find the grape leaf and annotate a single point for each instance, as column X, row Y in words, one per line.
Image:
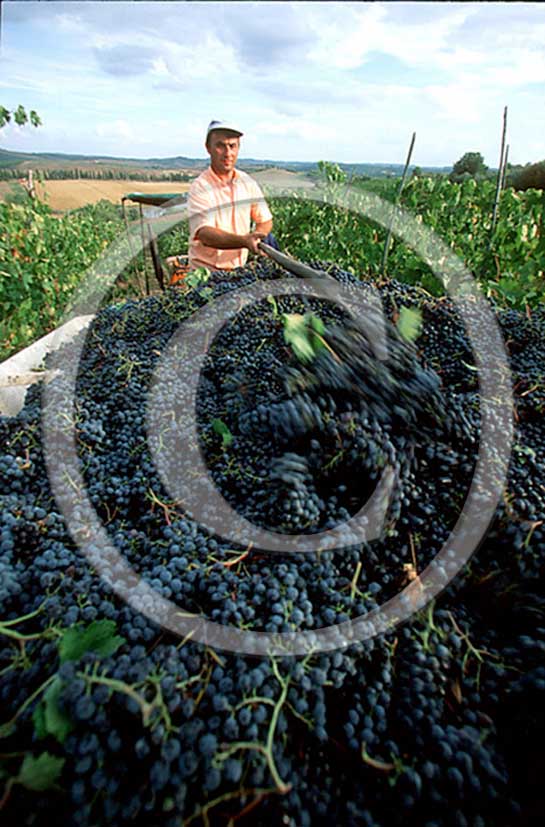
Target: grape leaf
column 40, row 773
column 197, row 277
column 98, row 637
column 52, row 720
column 409, row 324
column 38, row 719
column 272, row 300
column 299, row 334
column 317, row 324
column 223, row 431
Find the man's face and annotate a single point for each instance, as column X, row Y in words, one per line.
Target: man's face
column 223, row 149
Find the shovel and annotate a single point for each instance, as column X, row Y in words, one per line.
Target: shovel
column 291, row 264
column 330, row 286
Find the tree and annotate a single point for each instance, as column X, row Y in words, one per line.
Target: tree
column 470, row 165
column 530, row 176
column 332, row 173
column 20, row 116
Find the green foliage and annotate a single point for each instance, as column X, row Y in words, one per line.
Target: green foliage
column 331, row 172
column 20, row 116
column 304, row 334
column 16, row 195
column 42, row 261
column 532, row 176
column 471, row 164
column 98, row 637
column 41, row 773
column 49, row 717
column 409, row 323
column 510, row 267
column 223, row 431
column 197, row 277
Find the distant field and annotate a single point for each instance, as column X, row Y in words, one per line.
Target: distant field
column 69, row 195
column 283, row 178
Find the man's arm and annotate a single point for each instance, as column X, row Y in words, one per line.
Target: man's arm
column 222, row 240
column 260, row 212
column 265, row 227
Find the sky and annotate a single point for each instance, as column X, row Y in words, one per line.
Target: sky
column 345, row 82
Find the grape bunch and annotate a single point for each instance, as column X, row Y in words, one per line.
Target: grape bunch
column 109, row 718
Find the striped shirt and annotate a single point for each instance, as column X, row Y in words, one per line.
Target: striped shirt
column 228, row 206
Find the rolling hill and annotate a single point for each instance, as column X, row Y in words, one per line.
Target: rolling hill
column 58, row 160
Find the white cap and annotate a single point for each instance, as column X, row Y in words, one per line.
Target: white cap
column 227, row 125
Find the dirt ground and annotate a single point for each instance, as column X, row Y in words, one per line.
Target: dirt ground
column 71, row 194
column 282, row 178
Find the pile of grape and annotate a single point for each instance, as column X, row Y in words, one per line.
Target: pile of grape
column 108, row 718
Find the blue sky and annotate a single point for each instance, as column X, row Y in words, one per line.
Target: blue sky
column 340, row 81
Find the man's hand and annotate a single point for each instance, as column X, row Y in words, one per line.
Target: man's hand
column 222, row 240
column 251, row 240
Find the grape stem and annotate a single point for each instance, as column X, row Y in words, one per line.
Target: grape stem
column 202, row 811
column 7, row 728
column 7, row 792
column 267, row 749
column 354, row 583
column 229, row 563
column 373, row 762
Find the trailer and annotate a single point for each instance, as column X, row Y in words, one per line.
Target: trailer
column 177, row 266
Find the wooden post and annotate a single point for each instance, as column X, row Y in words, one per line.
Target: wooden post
column 134, row 255
column 504, row 174
column 396, row 201
column 156, row 259
column 29, row 185
column 144, row 246
column 500, row 174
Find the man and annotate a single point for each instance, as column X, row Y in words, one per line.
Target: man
column 222, row 203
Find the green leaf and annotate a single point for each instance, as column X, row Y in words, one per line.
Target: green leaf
column 409, row 324
column 197, row 277
column 5, row 116
column 20, row 116
column 98, row 637
column 525, row 449
column 35, row 119
column 317, row 324
column 295, row 335
column 272, row 300
column 40, row 773
column 299, row 334
column 223, row 431
column 57, row 722
column 293, row 323
column 38, row 719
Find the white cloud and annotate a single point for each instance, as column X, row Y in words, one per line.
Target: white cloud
column 460, row 102
column 343, row 35
column 116, row 129
column 70, row 24
column 308, row 129
column 347, row 80
column 346, row 42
